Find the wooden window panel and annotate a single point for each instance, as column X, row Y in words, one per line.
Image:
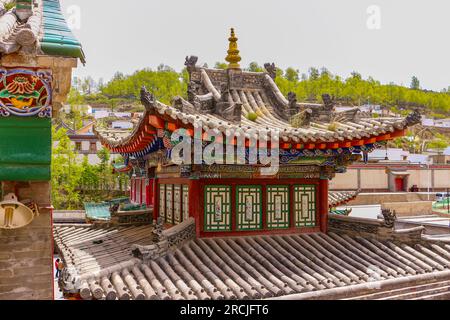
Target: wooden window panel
column 249, row 207
column 217, row 208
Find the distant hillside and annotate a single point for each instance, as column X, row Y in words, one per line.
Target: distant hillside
column 166, row 83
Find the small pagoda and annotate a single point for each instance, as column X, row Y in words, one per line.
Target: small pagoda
column 231, row 198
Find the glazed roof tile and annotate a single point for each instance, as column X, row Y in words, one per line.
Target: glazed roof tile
column 37, row 27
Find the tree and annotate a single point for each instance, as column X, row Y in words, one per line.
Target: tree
column 221, row 65
column 415, row 84
column 66, row 172
column 254, row 67
column 313, row 73
column 104, row 168
column 291, row 75
column 356, row 75
column 87, row 85
column 89, row 176
column 438, row 144
column 75, row 118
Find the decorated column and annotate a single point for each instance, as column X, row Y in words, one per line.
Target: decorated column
column 34, row 82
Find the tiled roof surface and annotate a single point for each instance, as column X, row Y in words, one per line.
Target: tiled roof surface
column 38, row 28
column 242, row 268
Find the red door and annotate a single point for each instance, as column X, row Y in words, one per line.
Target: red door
column 399, row 184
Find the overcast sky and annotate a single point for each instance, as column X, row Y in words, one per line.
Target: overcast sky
column 408, row 37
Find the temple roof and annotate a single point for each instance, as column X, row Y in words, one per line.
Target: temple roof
column 186, row 115
column 241, row 101
column 242, row 267
column 36, row 27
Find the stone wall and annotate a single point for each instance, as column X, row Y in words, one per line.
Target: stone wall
column 374, row 178
column 379, row 198
column 415, row 208
column 26, row 263
column 378, row 229
column 26, row 257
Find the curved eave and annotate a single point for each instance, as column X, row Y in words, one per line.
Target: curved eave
column 145, row 132
column 124, row 168
column 339, row 198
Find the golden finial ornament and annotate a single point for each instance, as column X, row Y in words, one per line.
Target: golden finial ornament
column 233, row 56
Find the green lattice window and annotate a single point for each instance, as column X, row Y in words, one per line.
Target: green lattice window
column 169, row 203
column 278, row 207
column 162, row 201
column 185, row 202
column 305, row 205
column 217, row 208
column 248, row 207
column 177, row 203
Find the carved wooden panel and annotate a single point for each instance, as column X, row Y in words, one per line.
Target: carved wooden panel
column 185, row 206
column 217, row 208
column 305, row 205
column 169, row 203
column 177, row 203
column 162, row 201
column 278, row 207
column 249, row 207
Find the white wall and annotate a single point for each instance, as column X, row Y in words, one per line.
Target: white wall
column 345, row 181
column 374, row 179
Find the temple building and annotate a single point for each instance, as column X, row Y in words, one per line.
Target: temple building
column 227, row 223
column 37, row 55
column 231, row 198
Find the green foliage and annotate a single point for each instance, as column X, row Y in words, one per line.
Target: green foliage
column 357, row 91
column 74, row 119
column 75, row 97
column 255, row 67
column 165, row 83
column 220, row 65
column 75, row 181
column 252, row 116
column 415, row 84
column 66, row 173
column 291, row 75
column 439, row 144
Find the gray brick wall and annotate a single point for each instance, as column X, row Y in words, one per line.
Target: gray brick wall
column 26, row 265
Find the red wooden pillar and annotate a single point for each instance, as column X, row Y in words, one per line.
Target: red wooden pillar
column 291, row 207
column 233, row 207
column 323, row 205
column 196, row 202
column 155, row 199
column 132, row 189
column 142, row 190
column 264, row 205
column 149, row 192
